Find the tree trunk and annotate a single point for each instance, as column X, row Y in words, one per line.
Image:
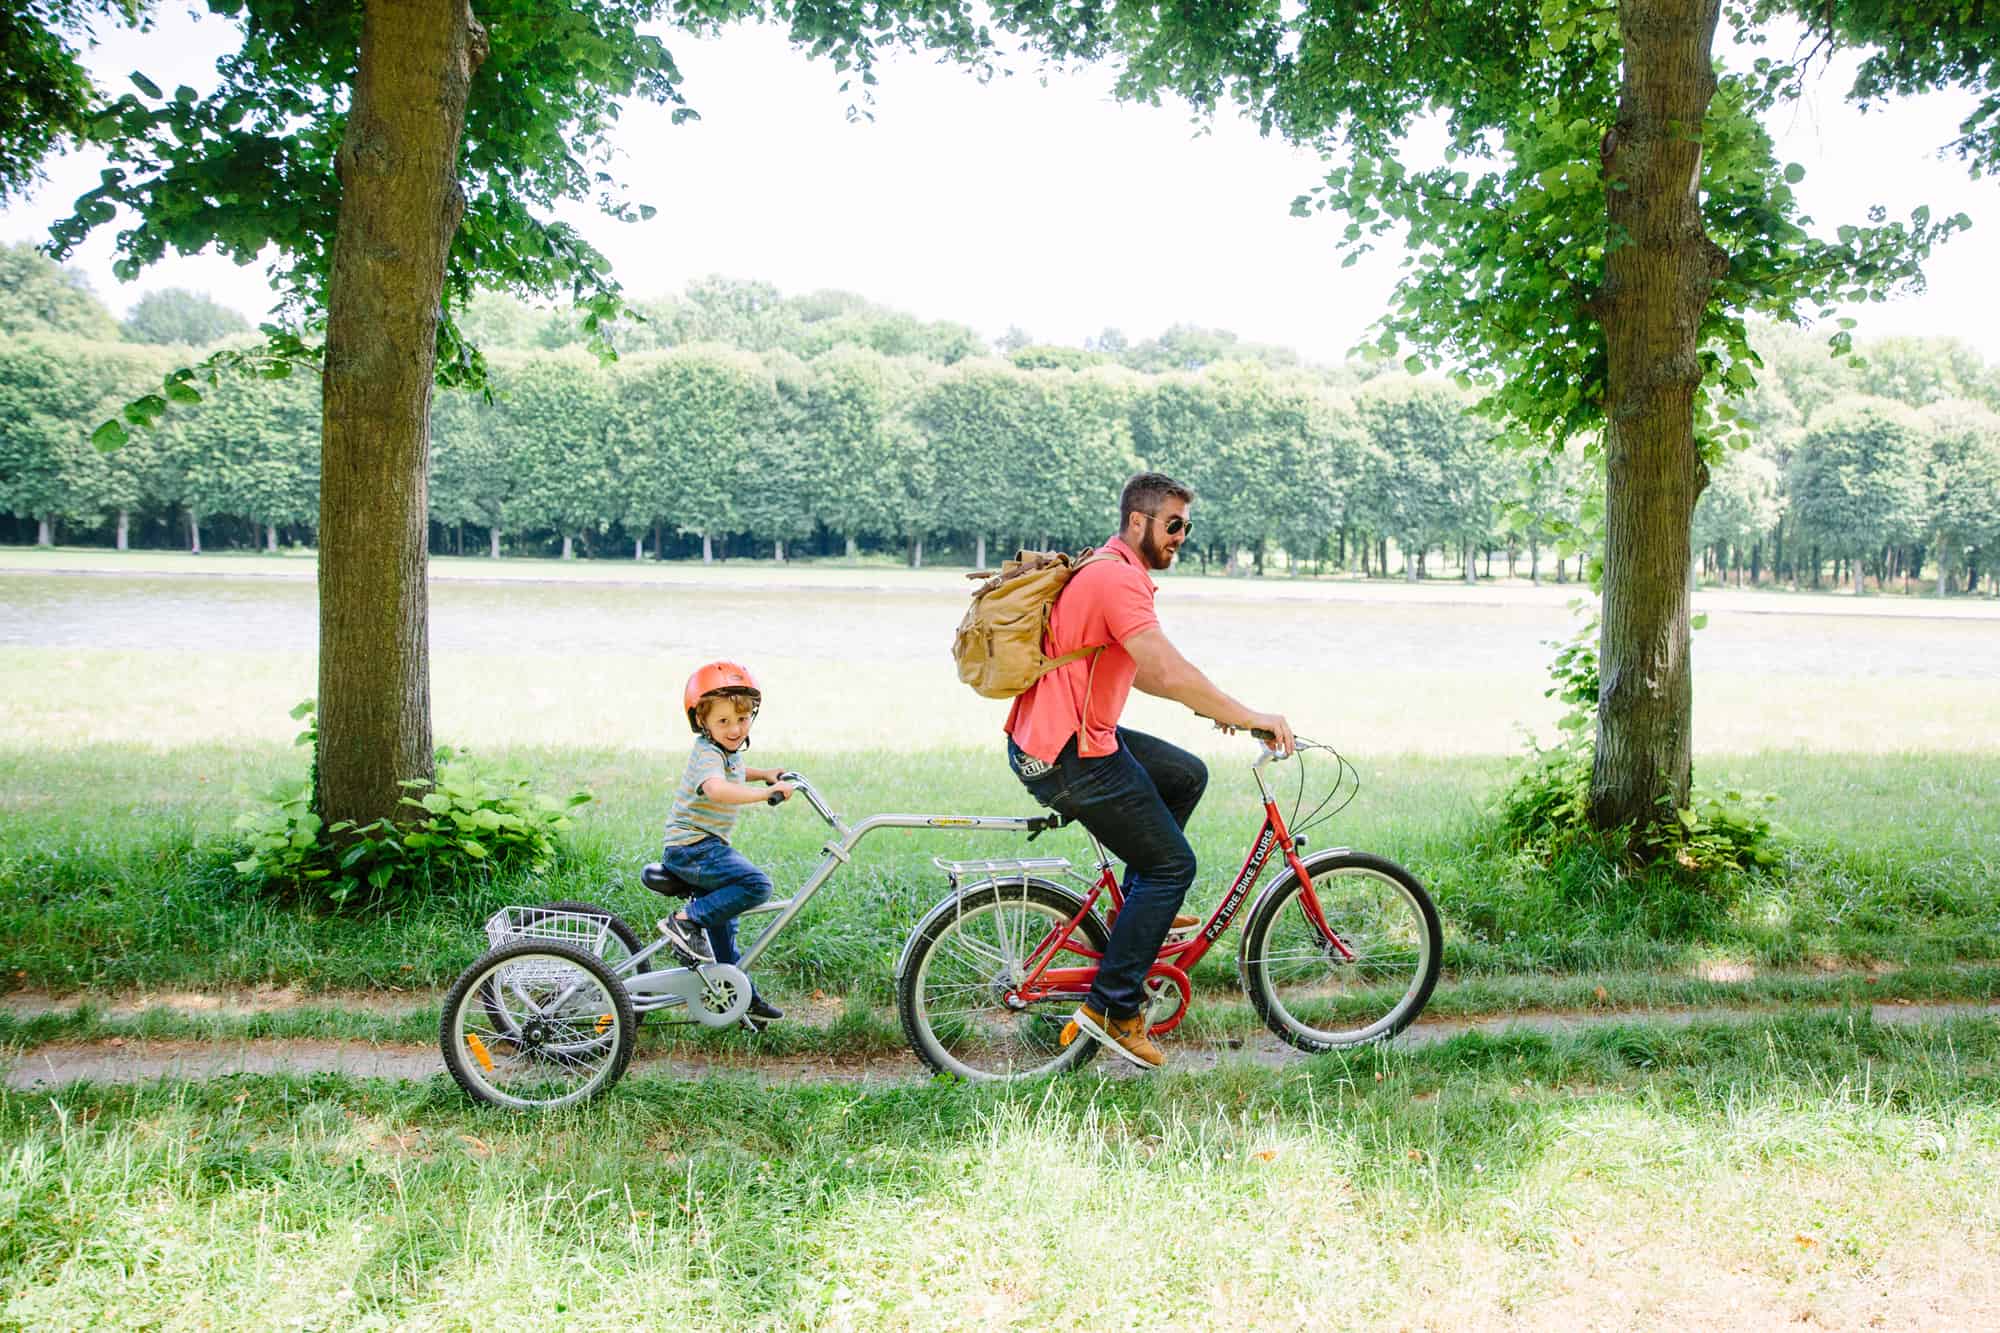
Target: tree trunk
column 124, row 538
column 707, row 549
column 916, row 552
column 778, row 550
column 1855, row 567
column 568, row 547
column 45, row 532
column 1409, row 566
column 398, row 161
column 493, row 542
column 1471, row 565
column 639, row 547
column 854, row 547
column 979, row 552
column 1655, row 289
column 271, row 538
column 194, row 532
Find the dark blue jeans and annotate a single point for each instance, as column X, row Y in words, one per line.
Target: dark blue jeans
column 729, row 884
column 1136, row 800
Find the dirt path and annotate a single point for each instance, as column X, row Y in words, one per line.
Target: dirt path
column 135, row 1060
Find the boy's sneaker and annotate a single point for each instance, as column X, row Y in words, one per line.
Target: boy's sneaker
column 761, row 1013
column 1124, row 1036
column 687, row 939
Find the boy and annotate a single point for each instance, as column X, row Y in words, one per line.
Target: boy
column 722, row 700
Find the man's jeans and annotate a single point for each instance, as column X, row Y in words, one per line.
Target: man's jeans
column 1136, row 800
column 729, row 884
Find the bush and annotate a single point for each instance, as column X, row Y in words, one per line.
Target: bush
column 474, row 823
column 1545, row 810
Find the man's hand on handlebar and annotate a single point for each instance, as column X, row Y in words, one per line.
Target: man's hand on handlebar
column 1271, row 728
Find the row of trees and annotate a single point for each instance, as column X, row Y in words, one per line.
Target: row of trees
column 669, row 451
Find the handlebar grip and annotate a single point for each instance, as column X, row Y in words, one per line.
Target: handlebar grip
column 775, row 798
column 1263, row 735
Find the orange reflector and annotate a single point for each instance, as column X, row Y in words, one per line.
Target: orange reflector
column 1069, row 1032
column 478, row 1049
column 603, row 1024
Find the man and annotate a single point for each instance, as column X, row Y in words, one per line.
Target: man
column 1133, row 791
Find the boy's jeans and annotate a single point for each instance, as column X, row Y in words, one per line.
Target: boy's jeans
column 730, row 886
column 1136, row 800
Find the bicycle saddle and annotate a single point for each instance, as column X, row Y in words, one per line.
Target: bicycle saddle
column 662, row 880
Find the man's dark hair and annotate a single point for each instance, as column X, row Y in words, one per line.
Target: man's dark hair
column 1144, row 492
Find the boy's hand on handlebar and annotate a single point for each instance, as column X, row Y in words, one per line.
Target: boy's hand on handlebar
column 781, row 791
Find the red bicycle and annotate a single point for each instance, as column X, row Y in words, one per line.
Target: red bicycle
column 1341, row 949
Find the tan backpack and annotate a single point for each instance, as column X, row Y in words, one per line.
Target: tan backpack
column 998, row 647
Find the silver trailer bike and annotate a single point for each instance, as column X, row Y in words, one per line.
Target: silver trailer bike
column 548, row 1016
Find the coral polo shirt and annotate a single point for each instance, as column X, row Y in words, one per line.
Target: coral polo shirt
column 1103, row 605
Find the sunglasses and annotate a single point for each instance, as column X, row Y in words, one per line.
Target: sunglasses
column 1176, row 525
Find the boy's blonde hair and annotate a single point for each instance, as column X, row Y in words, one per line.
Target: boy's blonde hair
column 739, row 702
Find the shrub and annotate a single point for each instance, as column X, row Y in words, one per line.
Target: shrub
column 1545, row 809
column 474, row 822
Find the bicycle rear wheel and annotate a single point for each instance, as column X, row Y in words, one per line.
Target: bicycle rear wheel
column 1310, row 992
column 537, row 1024
column 962, row 961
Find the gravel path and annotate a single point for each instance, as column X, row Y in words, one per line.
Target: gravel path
column 137, row 1060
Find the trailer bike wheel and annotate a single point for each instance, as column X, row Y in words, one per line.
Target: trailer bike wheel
column 621, row 941
column 535, row 1025
column 1320, row 995
column 962, row 963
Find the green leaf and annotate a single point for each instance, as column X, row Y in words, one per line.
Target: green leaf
column 108, row 436
column 1698, row 621
column 144, row 84
column 1794, row 173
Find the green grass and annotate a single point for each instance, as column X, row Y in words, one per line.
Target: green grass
column 1820, row 1170
column 114, row 874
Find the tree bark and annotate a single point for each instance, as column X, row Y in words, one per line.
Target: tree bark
column 271, row 538
column 493, row 542
column 124, row 530
column 45, row 532
column 568, row 547
column 979, row 553
column 707, row 550
column 400, row 205
column 1656, row 285
column 778, row 550
column 194, row 532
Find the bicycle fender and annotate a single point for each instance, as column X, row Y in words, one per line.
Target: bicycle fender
column 950, row 903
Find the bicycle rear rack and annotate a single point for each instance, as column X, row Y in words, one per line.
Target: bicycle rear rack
column 1003, row 867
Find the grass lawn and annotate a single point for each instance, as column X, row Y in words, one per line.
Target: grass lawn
column 1806, row 1170
column 114, row 875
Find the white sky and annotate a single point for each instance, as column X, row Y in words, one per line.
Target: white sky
column 1048, row 207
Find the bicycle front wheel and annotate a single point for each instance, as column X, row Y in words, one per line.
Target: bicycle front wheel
column 1369, row 982
column 963, row 963
column 535, row 1025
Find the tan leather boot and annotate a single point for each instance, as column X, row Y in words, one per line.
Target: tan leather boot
column 1124, row 1036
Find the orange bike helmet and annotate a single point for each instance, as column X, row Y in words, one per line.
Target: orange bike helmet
column 719, row 678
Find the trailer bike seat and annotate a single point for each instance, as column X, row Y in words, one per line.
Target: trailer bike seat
column 664, row 881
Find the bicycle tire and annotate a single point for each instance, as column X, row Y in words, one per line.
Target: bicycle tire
column 942, row 958
column 1309, row 994
column 566, row 1065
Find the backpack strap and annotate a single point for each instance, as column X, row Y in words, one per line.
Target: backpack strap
column 1051, row 664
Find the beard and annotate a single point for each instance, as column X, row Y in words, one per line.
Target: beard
column 1155, row 555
